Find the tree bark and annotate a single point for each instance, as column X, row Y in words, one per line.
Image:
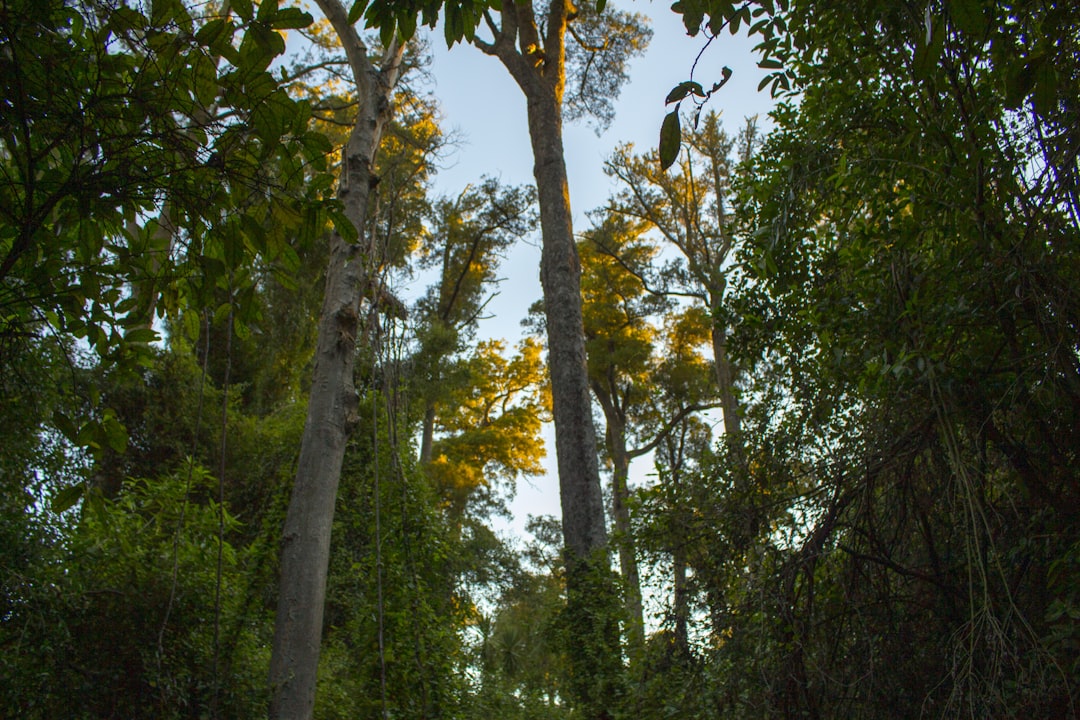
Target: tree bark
column 305, row 545
column 584, row 528
column 620, row 493
column 540, row 72
column 593, row 626
column 725, row 378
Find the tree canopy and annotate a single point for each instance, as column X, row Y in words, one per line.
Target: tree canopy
column 259, row 442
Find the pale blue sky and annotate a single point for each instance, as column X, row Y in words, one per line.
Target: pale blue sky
column 480, row 101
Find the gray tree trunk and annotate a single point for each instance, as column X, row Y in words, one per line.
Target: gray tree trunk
column 539, row 70
column 582, row 502
column 541, row 75
column 620, row 494
column 305, row 544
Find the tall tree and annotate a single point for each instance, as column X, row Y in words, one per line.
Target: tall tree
column 535, row 53
column 467, row 238
column 692, row 210
column 332, row 404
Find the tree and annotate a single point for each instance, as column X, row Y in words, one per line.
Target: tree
column 911, row 294
column 647, row 377
column 115, row 114
column 692, row 210
column 332, row 403
column 468, row 237
column 539, row 65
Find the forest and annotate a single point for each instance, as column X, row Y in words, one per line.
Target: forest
column 808, row 386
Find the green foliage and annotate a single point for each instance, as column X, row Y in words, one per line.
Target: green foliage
column 149, row 160
column 124, row 613
column 394, row 606
column 911, row 292
column 522, row 663
column 588, row 631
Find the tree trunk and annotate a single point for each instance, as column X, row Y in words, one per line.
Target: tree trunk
column 624, row 538
column 725, row 381
column 592, row 602
column 681, row 603
column 305, row 544
column 591, row 611
column 541, row 75
column 427, row 435
column 584, row 529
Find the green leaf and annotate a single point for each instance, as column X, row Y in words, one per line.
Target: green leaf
column 670, row 139
column 357, row 10
column 291, row 18
column 143, row 334
column 682, row 90
column 726, row 72
column 244, row 9
column 206, row 84
column 65, row 425
column 116, row 434
column 1046, row 89
column 1019, row 80
column 344, row 226
column 67, row 497
column 600, row 5
column 969, row 16
column 161, row 11
column 927, row 54
column 211, row 33
column 268, row 10
column 124, row 19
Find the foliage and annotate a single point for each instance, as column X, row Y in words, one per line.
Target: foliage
column 490, row 428
column 910, row 302
column 126, row 613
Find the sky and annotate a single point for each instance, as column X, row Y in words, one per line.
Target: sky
column 485, row 108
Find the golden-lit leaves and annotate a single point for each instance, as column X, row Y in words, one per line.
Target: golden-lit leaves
column 490, row 426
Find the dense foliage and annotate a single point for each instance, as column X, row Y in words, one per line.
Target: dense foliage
column 878, row 302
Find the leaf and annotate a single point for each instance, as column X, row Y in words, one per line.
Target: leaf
column 344, row 226
column 67, row 497
column 161, row 11
column 291, row 18
column 600, row 5
column 268, row 10
column 124, row 19
column 670, row 139
column 357, row 10
column 1046, row 89
column 143, row 334
column 65, row 425
column 210, row 33
column 206, row 84
column 244, row 9
column 116, row 434
column 726, row 72
column 927, row 55
column 1019, row 80
column 969, row 16
column 682, row 90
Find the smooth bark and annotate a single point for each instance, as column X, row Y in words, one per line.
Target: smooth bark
column 332, row 406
